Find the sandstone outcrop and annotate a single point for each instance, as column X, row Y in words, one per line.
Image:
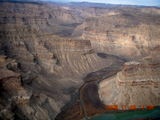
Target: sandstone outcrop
column 122, row 32
column 136, row 85
column 56, row 48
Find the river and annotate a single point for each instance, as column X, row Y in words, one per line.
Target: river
column 130, row 115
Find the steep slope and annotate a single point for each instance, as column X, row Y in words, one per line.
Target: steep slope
column 136, row 86
column 57, row 48
column 123, row 31
column 50, row 66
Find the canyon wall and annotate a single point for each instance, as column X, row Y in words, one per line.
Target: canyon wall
column 55, row 46
column 122, row 32
column 136, row 85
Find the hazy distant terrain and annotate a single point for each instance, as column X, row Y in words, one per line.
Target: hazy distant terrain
column 49, row 51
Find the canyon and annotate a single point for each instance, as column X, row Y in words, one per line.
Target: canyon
column 68, row 61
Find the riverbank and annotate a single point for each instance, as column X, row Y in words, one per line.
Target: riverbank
column 130, row 115
column 87, row 102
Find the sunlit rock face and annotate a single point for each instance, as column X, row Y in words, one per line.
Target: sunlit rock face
column 50, row 66
column 56, row 45
column 124, row 33
column 137, row 85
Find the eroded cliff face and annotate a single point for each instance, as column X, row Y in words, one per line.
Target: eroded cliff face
column 55, row 46
column 122, row 32
column 50, row 66
column 136, row 85
column 13, row 94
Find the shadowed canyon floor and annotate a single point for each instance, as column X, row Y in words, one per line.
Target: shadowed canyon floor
column 69, row 61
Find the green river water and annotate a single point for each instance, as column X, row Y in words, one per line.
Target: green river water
column 130, row 115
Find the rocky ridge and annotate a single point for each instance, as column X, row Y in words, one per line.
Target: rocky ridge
column 136, row 85
column 58, row 47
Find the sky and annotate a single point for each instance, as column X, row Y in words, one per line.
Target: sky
column 128, row 2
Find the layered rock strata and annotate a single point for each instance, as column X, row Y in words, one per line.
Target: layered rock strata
column 136, row 85
column 56, row 45
column 13, row 94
